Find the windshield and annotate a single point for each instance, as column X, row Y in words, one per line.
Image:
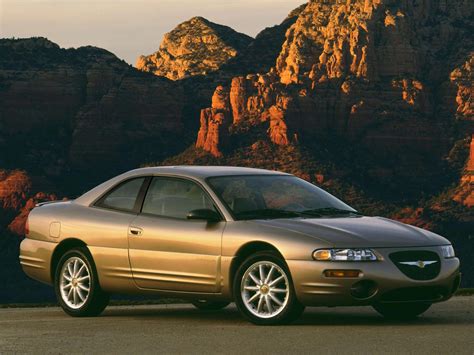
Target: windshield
column 276, row 196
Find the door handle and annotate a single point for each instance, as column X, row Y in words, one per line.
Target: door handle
column 135, row 231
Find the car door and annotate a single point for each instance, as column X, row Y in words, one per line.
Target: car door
column 105, row 229
column 166, row 250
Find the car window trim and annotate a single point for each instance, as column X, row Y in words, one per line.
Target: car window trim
column 142, row 194
column 171, row 177
column 144, row 214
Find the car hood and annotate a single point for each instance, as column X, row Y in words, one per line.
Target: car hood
column 359, row 232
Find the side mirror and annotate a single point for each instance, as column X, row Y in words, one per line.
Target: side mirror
column 204, row 215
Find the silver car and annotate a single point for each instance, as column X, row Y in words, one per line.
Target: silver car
column 268, row 241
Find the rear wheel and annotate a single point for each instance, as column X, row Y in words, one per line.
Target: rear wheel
column 264, row 292
column 76, row 285
column 206, row 305
column 401, row 310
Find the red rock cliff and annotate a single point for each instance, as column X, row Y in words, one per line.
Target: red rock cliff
column 365, row 70
column 82, row 109
column 195, row 47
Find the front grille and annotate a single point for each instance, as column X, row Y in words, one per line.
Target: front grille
column 416, row 264
column 416, row 294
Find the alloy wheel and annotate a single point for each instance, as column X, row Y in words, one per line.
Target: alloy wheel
column 75, row 279
column 265, row 289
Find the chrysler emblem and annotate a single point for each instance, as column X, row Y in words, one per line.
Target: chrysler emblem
column 420, row 263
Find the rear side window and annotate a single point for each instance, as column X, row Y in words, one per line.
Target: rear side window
column 175, row 198
column 123, row 197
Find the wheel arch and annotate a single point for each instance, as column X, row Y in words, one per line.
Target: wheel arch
column 64, row 246
column 244, row 252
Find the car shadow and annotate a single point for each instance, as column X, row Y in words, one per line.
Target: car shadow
column 340, row 316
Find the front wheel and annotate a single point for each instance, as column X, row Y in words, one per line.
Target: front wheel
column 76, row 285
column 402, row 311
column 264, row 292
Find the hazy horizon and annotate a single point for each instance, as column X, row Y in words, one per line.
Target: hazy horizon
column 130, row 28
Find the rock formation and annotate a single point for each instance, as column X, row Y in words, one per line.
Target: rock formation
column 15, row 187
column 366, row 71
column 17, row 197
column 260, row 55
column 462, row 78
column 465, row 192
column 195, row 47
column 331, row 38
column 215, row 123
column 82, row 110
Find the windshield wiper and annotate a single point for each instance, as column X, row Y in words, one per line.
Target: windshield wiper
column 329, row 211
column 267, row 213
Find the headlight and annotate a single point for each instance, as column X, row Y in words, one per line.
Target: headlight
column 344, row 255
column 447, row 251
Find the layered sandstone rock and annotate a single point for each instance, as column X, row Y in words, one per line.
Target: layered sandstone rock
column 367, row 71
column 275, row 115
column 195, row 47
column 462, row 78
column 250, row 96
column 215, row 122
column 372, row 38
column 331, row 38
column 124, row 126
column 82, row 110
column 260, row 55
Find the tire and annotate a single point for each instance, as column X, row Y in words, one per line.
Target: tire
column 401, row 311
column 84, row 297
column 252, row 292
column 206, row 305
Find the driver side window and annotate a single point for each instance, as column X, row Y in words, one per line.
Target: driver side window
column 175, row 198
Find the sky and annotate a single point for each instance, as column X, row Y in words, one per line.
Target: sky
column 129, row 28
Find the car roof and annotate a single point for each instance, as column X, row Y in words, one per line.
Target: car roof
column 195, row 172
column 203, row 171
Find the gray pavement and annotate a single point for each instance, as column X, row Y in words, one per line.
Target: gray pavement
column 445, row 328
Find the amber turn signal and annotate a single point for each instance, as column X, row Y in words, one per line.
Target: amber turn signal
column 322, row 254
column 342, row 273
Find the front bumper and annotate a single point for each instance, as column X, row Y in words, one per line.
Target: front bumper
column 388, row 283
